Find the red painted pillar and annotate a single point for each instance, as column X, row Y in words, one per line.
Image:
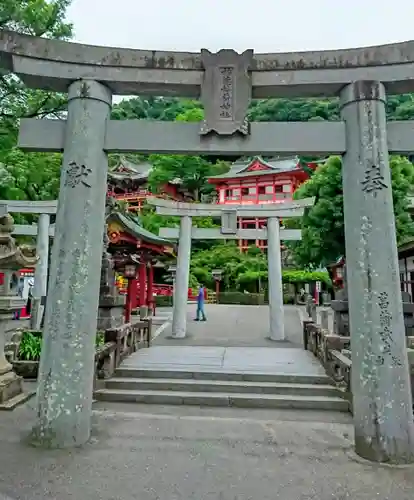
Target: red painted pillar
column 150, row 290
column 134, row 293
column 142, row 284
column 128, row 302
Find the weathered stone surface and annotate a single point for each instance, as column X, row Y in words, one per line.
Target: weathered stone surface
column 274, row 262
column 382, row 402
column 26, row 369
column 66, row 371
column 12, row 257
column 226, row 91
column 179, row 322
column 53, row 65
column 10, row 386
column 111, row 317
column 41, row 271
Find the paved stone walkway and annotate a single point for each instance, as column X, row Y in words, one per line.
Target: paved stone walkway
column 190, row 456
column 233, row 339
column 235, row 326
column 288, row 361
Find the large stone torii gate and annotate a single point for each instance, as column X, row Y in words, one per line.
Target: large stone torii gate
column 226, row 81
column 228, row 230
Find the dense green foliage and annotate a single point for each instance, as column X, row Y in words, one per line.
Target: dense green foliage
column 243, row 271
column 193, row 171
column 323, row 239
column 30, row 346
column 24, row 176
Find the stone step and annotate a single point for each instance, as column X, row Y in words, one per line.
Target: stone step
column 223, row 386
column 246, row 400
column 156, row 372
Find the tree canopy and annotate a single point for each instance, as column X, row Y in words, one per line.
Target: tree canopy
column 323, row 239
column 192, row 171
column 29, row 176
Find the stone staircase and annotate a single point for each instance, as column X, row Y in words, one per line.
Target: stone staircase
column 210, row 388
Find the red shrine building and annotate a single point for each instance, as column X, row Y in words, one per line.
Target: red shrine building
column 130, row 243
column 128, row 182
column 254, row 181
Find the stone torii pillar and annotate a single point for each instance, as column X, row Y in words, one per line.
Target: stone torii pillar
column 40, row 278
column 229, row 230
column 64, row 395
column 179, row 322
column 275, row 286
column 382, row 402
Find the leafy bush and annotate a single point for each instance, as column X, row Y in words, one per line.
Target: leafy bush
column 163, row 301
column 100, row 338
column 245, row 299
column 301, row 276
column 31, row 344
column 245, row 270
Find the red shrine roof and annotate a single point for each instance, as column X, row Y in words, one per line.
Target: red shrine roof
column 127, row 170
column 257, row 166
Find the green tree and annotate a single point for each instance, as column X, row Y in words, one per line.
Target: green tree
column 152, row 108
column 29, row 176
column 39, row 18
column 191, row 171
column 323, row 239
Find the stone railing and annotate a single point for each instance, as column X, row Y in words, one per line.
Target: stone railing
column 129, row 337
column 334, row 352
column 341, row 317
column 119, row 343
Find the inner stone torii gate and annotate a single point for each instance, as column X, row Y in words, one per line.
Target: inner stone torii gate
column 226, row 81
column 229, row 216
column 42, row 232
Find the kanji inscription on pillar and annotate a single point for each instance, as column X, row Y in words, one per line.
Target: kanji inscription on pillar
column 226, row 91
column 77, row 174
column 373, row 180
column 385, row 333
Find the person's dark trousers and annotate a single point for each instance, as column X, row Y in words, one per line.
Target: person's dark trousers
column 200, row 312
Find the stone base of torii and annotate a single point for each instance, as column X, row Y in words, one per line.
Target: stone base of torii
column 273, row 234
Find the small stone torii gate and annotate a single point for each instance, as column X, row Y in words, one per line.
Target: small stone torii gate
column 273, row 212
column 43, row 231
column 226, row 82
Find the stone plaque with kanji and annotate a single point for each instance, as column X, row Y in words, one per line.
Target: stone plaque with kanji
column 229, row 221
column 226, row 91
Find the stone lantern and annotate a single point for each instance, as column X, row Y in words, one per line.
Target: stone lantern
column 217, row 277
column 12, row 258
column 173, row 271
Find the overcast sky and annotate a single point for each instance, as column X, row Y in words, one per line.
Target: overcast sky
column 263, row 25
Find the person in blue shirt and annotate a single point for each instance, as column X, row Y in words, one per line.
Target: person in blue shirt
column 200, row 305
